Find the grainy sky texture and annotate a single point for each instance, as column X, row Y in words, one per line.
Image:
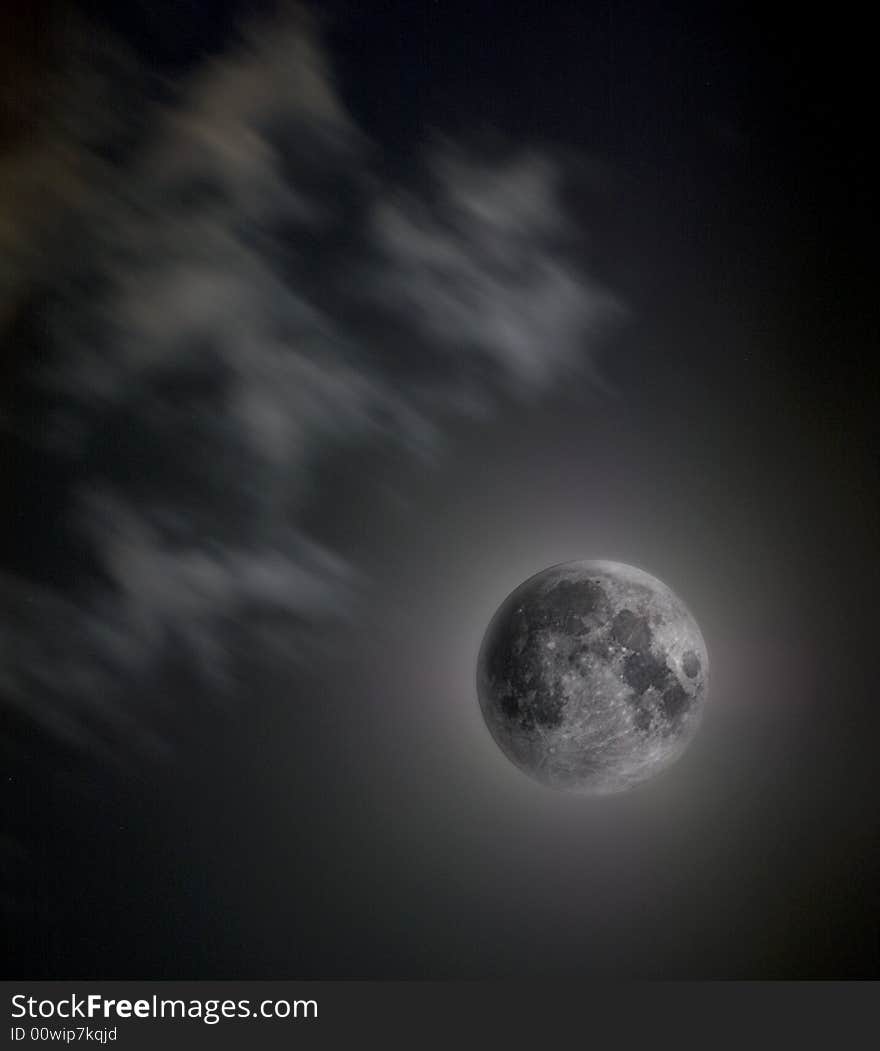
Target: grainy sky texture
column 322, row 331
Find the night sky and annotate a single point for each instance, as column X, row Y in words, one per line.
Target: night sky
column 320, row 335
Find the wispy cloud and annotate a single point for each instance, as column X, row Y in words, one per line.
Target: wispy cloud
column 225, row 297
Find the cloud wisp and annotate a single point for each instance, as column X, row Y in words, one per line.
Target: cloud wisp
column 227, row 289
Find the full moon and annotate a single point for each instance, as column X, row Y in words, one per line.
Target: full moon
column 592, row 676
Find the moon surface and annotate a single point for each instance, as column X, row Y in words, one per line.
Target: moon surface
column 592, row 676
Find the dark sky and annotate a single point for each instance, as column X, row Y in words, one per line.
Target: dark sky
column 340, row 810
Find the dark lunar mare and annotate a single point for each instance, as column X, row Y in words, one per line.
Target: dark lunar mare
column 512, row 648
